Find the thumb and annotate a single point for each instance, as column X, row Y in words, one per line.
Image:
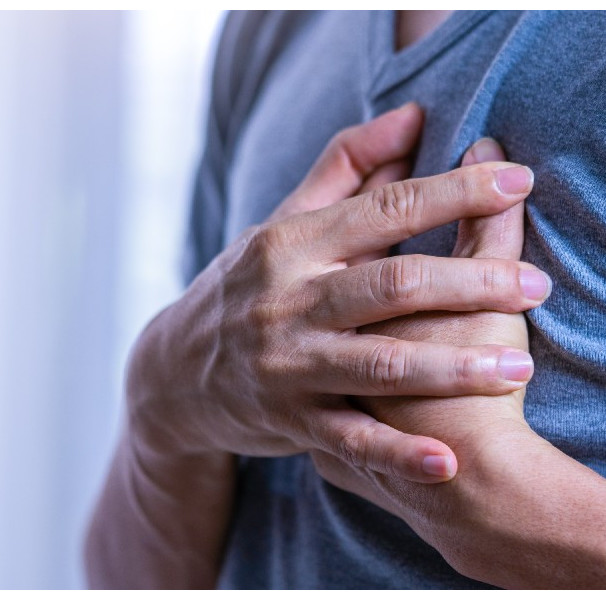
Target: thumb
column 356, row 439
column 496, row 236
column 352, row 157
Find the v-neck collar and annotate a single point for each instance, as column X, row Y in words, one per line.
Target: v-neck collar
column 388, row 68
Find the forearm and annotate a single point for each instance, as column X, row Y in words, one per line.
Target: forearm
column 161, row 522
column 519, row 513
column 538, row 520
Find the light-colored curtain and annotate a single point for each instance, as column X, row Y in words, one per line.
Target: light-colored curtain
column 100, row 128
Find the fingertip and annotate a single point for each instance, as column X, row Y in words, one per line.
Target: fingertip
column 411, row 107
column 440, row 466
column 431, row 461
column 411, row 114
column 484, row 150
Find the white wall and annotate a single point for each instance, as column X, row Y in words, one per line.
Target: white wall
column 100, row 124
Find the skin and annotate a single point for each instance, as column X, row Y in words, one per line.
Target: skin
column 271, row 328
column 412, row 25
column 519, row 513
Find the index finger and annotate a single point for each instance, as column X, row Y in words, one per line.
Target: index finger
column 398, row 211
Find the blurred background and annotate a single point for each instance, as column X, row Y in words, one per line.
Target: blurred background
column 101, row 125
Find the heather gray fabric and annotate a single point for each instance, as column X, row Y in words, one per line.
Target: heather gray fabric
column 534, row 81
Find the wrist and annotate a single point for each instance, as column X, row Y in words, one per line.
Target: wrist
column 529, row 516
column 168, row 513
column 518, row 514
column 163, row 399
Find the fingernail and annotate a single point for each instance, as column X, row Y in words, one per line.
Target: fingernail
column 440, row 466
column 408, row 106
column 514, row 180
column 409, row 109
column 535, row 284
column 516, row 366
column 486, row 150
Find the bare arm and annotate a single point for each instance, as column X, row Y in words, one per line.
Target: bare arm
column 161, row 522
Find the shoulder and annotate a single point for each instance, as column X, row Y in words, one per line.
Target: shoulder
column 250, row 43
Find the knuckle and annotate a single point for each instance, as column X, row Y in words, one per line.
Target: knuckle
column 410, row 201
column 316, row 301
column 261, row 316
column 272, row 362
column 401, row 280
column 389, row 283
column 386, row 205
column 419, row 281
column 263, row 242
column 250, row 266
column 340, row 140
column 388, row 367
column 340, row 148
column 396, row 205
column 511, row 281
column 477, row 182
column 268, row 311
column 352, row 447
column 489, row 279
column 462, row 184
column 465, row 371
column 321, row 298
column 273, row 351
column 500, row 285
column 335, row 148
column 257, row 237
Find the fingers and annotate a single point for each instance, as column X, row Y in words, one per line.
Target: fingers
column 484, row 150
column 388, row 173
column 359, row 440
column 402, row 285
column 496, row 236
column 351, row 156
column 404, row 209
column 354, row 153
column 394, row 171
column 373, row 365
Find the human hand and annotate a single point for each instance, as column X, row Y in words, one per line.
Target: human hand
column 516, row 514
column 496, row 236
column 258, row 356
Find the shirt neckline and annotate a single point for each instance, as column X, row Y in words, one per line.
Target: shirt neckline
column 389, row 68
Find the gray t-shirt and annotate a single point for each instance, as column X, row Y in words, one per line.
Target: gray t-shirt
column 284, row 84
